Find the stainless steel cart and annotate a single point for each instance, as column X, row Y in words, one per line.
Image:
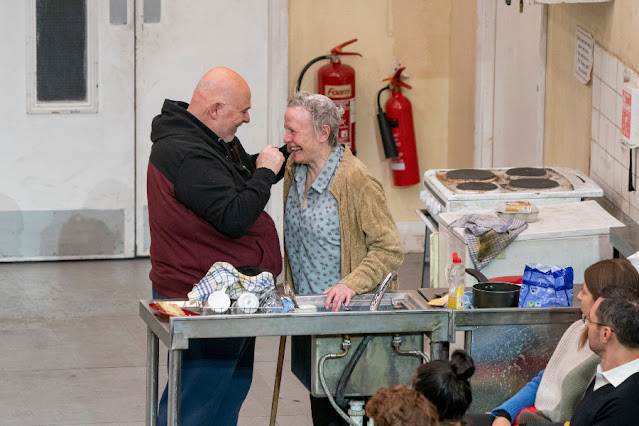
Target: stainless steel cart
column 415, row 317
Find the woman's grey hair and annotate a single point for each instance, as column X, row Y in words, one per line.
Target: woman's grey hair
column 323, row 113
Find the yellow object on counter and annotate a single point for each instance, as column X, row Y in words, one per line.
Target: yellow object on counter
column 456, row 298
column 517, row 207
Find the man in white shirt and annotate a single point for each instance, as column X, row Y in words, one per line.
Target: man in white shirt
column 613, row 333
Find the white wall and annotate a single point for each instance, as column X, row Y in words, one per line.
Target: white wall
column 609, row 158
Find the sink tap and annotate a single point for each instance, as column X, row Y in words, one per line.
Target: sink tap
column 377, row 299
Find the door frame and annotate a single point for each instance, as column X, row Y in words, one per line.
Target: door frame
column 484, row 135
column 277, row 89
column 277, row 92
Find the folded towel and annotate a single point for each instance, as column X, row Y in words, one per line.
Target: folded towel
column 223, row 276
column 486, row 236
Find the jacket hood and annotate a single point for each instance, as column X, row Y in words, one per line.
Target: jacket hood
column 176, row 120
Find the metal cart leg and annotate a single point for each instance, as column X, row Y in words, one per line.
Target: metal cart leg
column 152, row 354
column 468, row 342
column 439, row 350
column 175, row 370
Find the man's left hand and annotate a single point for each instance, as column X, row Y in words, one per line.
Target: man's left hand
column 336, row 295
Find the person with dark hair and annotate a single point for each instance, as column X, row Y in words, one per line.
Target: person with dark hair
column 555, row 392
column 613, row 334
column 447, row 385
column 401, row 406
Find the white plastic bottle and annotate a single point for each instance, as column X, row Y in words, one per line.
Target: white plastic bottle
column 455, row 274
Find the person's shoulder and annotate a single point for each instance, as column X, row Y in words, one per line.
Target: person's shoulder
column 187, row 151
column 178, row 145
column 620, row 410
column 356, row 169
column 629, row 387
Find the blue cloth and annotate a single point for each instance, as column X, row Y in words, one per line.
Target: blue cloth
column 287, row 305
column 312, row 235
column 216, row 377
column 522, row 399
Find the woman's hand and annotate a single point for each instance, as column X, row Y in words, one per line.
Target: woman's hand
column 501, row 421
column 336, row 295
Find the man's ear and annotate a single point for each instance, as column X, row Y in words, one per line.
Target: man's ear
column 607, row 334
column 213, row 109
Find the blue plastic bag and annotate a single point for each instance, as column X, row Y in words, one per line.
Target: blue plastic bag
column 546, row 286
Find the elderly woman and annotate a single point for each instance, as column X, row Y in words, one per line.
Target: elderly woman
column 340, row 238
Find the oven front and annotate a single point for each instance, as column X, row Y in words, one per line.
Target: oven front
column 441, row 194
column 433, row 205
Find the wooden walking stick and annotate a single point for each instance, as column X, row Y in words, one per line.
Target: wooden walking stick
column 278, row 380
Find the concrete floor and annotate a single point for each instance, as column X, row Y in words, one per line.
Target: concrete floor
column 73, row 348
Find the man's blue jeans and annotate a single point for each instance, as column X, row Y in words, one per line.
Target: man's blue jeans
column 216, row 377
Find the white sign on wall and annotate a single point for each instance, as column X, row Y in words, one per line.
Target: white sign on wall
column 584, row 46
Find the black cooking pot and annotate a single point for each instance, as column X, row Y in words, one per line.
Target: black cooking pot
column 487, row 294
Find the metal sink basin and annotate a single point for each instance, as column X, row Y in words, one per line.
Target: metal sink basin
column 391, row 301
column 380, row 365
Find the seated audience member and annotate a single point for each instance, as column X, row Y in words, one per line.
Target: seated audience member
column 401, row 406
column 613, row 334
column 612, row 398
column 555, row 392
column 446, row 384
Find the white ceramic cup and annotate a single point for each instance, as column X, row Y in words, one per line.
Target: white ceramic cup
column 219, row 301
column 248, row 303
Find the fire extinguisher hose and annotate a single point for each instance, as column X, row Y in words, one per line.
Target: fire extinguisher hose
column 299, row 80
column 379, row 94
column 388, row 141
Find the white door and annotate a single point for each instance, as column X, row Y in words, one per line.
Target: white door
column 82, row 81
column 182, row 40
column 510, row 84
column 67, row 121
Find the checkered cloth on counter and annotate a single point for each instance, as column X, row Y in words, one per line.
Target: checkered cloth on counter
column 223, row 276
column 486, row 236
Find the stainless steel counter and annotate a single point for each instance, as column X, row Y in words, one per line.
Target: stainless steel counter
column 176, row 332
column 509, row 346
column 625, row 240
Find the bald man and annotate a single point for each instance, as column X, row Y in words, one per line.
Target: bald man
column 206, row 204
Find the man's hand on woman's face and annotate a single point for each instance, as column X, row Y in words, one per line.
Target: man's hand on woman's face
column 336, row 295
column 271, row 158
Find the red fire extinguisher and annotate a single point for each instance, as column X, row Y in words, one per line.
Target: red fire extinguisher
column 398, row 133
column 337, row 82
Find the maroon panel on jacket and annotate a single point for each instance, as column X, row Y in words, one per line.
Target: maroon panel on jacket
column 184, row 246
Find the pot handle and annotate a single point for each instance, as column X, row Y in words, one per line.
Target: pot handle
column 477, row 275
